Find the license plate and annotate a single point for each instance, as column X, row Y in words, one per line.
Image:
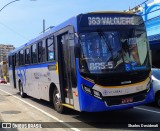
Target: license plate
column 127, row 100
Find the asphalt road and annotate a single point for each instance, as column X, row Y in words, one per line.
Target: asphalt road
column 42, row 111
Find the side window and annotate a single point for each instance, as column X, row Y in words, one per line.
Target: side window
column 34, row 53
column 17, row 59
column 21, row 60
column 41, row 51
column 50, row 49
column 27, row 56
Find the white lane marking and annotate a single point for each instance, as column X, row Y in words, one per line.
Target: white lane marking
column 53, row 117
column 147, row 110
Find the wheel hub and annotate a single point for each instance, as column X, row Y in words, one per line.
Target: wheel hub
column 57, row 100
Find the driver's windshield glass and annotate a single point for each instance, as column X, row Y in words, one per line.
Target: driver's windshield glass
column 123, row 50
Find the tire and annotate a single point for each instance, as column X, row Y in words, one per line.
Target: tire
column 57, row 102
column 22, row 94
column 157, row 100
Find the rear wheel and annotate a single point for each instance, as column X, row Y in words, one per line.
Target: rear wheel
column 57, row 102
column 22, row 94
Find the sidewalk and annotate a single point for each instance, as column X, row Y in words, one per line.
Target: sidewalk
column 14, row 110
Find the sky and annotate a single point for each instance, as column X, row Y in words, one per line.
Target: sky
column 22, row 20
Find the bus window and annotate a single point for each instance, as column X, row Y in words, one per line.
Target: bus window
column 50, row 49
column 34, row 53
column 21, row 58
column 41, row 51
column 27, row 56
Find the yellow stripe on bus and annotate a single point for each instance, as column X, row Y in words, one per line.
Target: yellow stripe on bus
column 56, row 67
column 69, row 106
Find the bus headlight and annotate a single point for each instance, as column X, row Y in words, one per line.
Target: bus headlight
column 96, row 93
column 92, row 92
column 87, row 89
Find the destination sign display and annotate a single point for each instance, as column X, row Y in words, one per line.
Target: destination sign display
column 93, row 21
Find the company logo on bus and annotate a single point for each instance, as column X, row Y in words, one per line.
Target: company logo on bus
column 126, row 82
column 92, row 21
column 112, row 92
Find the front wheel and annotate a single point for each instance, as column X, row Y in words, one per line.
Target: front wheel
column 57, row 102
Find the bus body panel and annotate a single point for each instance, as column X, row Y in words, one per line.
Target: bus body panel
column 36, row 79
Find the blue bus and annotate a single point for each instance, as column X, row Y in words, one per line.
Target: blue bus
column 93, row 62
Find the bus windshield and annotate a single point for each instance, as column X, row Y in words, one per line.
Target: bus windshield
column 117, row 50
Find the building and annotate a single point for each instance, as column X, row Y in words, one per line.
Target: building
column 151, row 15
column 4, row 49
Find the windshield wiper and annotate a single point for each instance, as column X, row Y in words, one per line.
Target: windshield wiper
column 101, row 33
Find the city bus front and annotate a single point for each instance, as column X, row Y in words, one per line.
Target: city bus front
column 114, row 62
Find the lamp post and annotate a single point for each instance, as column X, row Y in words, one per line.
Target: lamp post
column 8, row 4
column 11, row 3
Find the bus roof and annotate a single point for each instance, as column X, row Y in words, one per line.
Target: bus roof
column 110, row 12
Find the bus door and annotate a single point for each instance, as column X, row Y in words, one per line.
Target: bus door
column 13, row 70
column 64, row 46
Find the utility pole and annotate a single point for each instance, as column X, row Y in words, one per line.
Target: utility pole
column 44, row 24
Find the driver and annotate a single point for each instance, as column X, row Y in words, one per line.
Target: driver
column 134, row 52
column 129, row 53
